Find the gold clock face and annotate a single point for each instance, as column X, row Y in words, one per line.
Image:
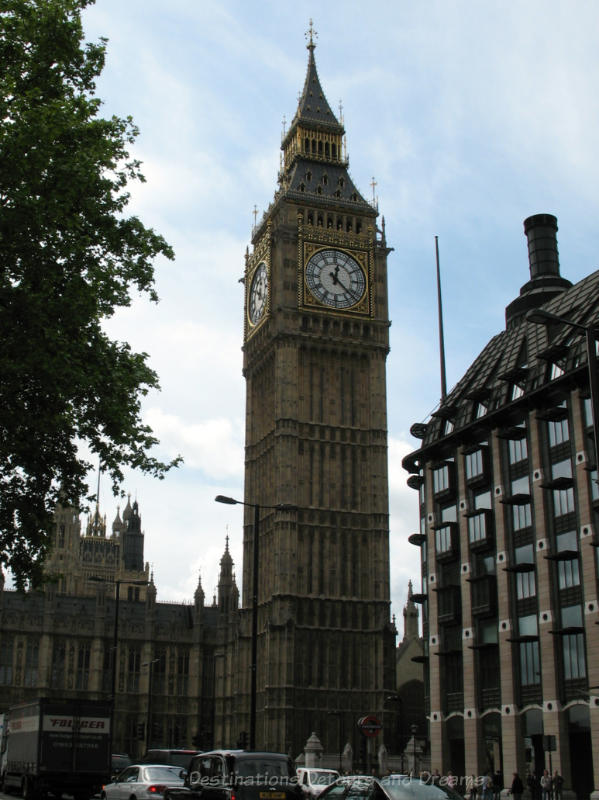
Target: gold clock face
column 258, row 294
column 335, row 279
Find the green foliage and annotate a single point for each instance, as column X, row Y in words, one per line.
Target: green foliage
column 68, row 258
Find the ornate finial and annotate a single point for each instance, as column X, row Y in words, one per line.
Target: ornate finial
column 227, row 543
column 284, row 125
column 312, row 34
column 373, row 184
column 341, row 112
column 409, row 590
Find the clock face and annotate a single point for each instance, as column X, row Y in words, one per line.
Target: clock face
column 258, row 294
column 335, row 279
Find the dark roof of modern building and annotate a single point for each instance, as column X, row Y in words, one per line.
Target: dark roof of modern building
column 523, row 355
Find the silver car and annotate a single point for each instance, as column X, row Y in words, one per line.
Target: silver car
column 143, row 781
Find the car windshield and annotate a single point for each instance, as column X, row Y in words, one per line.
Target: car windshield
column 163, row 774
column 262, row 767
column 320, row 777
column 402, row 787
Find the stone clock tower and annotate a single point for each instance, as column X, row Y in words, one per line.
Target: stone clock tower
column 315, row 345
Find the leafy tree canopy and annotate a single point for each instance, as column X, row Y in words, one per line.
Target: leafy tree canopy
column 69, row 257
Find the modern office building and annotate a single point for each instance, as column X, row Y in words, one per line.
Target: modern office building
column 507, row 476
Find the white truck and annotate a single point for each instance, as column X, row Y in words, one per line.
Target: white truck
column 55, row 747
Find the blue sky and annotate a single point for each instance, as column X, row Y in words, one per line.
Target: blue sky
column 470, row 116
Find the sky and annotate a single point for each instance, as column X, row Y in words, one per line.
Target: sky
column 469, row 115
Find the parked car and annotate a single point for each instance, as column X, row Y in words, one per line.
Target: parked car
column 391, row 787
column 246, row 775
column 313, row 781
column 141, row 781
column 173, row 756
column 118, row 762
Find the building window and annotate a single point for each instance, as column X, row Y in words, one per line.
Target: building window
column 480, row 410
column 31, row 662
column 522, row 515
column 60, row 535
column 443, row 539
column 477, row 527
column 525, row 581
column 517, row 391
column 530, row 669
column 568, row 571
column 58, row 664
column 475, row 465
column 82, row 676
column 518, row 450
column 573, row 643
column 441, row 479
column 133, row 668
column 6, row 653
column 558, row 431
column 555, row 371
column 183, row 673
column 530, row 665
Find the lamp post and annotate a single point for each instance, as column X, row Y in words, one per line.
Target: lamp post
column 115, row 640
column 255, row 566
column 591, row 335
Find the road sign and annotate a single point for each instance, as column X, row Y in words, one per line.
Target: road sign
column 369, row 725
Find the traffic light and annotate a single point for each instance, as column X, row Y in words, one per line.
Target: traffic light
column 141, row 731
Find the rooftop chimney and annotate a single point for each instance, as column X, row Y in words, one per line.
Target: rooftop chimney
column 545, row 281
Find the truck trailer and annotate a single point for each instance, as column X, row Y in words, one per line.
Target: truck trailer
column 57, row 747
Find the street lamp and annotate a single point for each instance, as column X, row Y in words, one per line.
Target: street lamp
column 115, row 640
column 395, row 698
column 591, row 334
column 254, row 657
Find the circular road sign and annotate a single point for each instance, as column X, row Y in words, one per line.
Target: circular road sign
column 369, row 725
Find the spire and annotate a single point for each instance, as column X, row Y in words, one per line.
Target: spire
column 199, row 592
column 410, row 616
column 313, row 107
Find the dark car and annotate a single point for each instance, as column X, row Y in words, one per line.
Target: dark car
column 244, row 775
column 171, row 756
column 118, row 762
column 391, row 787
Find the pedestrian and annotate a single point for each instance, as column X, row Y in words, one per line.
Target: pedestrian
column 545, row 785
column 517, row 787
column 472, row 787
column 497, row 784
column 487, row 787
column 533, row 785
column 558, row 782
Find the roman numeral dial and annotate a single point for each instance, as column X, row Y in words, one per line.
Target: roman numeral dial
column 335, row 279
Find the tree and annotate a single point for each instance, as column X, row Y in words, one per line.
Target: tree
column 69, row 257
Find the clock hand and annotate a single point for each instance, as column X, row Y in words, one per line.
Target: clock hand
column 343, row 286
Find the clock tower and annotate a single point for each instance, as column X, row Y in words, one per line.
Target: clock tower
column 316, row 338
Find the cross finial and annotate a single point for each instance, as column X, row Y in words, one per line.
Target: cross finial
column 341, row 111
column 312, row 34
column 373, row 184
column 255, row 213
